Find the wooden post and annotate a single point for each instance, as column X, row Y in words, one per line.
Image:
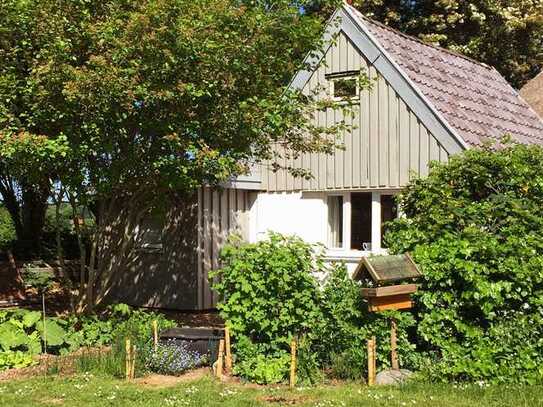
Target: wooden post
column 371, row 361
column 393, row 345
column 293, row 363
column 155, row 334
column 220, row 358
column 127, row 348
column 228, row 357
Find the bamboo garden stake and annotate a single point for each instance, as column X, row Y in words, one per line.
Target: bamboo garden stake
column 293, row 363
column 220, row 358
column 371, row 361
column 155, row 334
column 127, row 359
column 228, row 356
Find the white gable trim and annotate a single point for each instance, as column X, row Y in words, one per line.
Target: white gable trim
column 370, row 47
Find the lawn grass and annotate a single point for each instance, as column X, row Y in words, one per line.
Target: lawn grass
column 88, row 390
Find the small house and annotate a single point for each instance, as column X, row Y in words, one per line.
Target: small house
column 426, row 105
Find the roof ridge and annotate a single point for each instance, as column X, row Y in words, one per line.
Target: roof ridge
column 418, row 40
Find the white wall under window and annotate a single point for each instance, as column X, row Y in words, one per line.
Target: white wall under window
column 315, row 218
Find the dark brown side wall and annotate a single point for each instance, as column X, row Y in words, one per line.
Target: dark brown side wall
column 168, row 277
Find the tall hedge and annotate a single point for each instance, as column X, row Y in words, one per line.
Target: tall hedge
column 475, row 227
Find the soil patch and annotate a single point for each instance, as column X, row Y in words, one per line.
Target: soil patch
column 162, row 381
column 286, row 400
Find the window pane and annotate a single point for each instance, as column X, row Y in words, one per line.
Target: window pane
column 335, row 221
column 344, row 88
column 361, row 221
column 389, row 211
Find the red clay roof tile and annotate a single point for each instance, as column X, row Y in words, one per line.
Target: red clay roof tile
column 474, row 99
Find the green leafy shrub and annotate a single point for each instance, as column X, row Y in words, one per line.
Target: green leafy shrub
column 118, row 323
column 22, row 337
column 7, row 229
column 15, row 359
column 308, row 364
column 270, row 295
column 33, row 277
column 341, row 336
column 259, row 363
column 475, row 227
column 268, row 288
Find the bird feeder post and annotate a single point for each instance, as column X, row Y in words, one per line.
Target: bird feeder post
column 393, row 345
column 382, row 271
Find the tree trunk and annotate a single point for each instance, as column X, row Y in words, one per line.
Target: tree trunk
column 9, row 196
column 64, row 277
column 33, row 210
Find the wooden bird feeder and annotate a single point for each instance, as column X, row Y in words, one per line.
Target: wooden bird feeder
column 383, row 271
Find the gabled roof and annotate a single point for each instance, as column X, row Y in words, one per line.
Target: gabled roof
column 461, row 101
column 532, row 93
column 475, row 100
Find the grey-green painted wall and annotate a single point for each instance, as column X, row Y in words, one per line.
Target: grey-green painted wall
column 387, row 144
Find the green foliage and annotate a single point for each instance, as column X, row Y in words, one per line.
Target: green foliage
column 309, row 366
column 271, row 294
column 106, row 363
column 7, row 229
column 22, row 337
column 140, row 85
column 15, row 359
column 257, row 363
column 475, row 228
column 346, row 325
column 118, row 323
column 116, row 100
column 36, row 278
column 22, row 334
column 506, row 34
column 269, row 291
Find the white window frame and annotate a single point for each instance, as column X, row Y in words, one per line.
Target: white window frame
column 332, row 81
column 376, row 215
column 346, row 209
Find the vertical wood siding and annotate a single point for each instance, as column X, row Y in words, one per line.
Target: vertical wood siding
column 387, row 144
column 221, row 212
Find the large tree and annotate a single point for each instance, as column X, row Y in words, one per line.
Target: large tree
column 146, row 98
column 506, row 34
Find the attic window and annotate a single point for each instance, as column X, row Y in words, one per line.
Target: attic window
column 345, row 88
